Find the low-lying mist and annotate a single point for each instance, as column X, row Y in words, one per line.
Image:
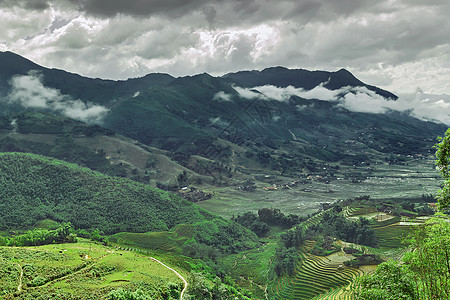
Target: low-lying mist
column 423, row 106
column 29, row 92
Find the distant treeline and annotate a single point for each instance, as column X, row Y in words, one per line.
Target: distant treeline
column 336, row 225
column 41, row 236
column 259, row 223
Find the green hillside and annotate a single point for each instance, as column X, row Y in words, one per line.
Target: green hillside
column 83, row 270
column 36, row 188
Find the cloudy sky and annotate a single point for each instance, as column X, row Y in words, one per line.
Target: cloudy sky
column 400, row 45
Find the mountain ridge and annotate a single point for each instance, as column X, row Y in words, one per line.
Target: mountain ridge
column 21, row 66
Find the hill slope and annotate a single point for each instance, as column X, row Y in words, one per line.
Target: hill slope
column 36, row 188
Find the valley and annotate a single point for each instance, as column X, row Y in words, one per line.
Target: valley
column 241, row 186
column 414, row 179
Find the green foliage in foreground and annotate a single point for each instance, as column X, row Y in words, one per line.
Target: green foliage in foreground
column 443, row 163
column 121, row 294
column 389, row 281
column 36, row 188
column 425, row 273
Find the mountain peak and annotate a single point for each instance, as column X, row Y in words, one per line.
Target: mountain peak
column 300, row 78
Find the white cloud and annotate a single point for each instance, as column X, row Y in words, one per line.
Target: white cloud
column 218, row 122
column 360, row 99
column 249, row 93
column 222, row 96
column 397, row 45
column 283, row 94
column 29, row 92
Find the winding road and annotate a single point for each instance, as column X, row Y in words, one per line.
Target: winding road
column 19, row 287
column 166, row 266
column 176, row 273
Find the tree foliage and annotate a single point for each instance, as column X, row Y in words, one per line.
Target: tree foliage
column 40, row 236
column 424, row 273
column 335, row 225
column 390, row 281
column 430, row 259
column 285, row 261
column 443, row 163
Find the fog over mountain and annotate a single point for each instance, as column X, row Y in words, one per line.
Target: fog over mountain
column 29, row 92
column 428, row 107
column 28, row 88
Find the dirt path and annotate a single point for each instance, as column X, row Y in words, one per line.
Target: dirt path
column 19, row 287
column 83, row 268
column 176, row 273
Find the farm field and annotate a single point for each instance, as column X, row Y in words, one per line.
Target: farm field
column 385, row 181
column 317, row 276
column 82, row 270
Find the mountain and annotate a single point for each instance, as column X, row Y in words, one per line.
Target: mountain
column 227, row 119
column 79, row 87
column 300, row 78
column 279, row 142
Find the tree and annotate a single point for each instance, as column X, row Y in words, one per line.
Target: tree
column 430, row 259
column 443, row 163
column 121, row 294
column 425, row 273
column 389, row 281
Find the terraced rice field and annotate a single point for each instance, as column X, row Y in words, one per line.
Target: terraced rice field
column 342, row 293
column 164, row 240
column 374, row 224
column 314, row 220
column 358, row 211
column 316, row 275
column 391, row 236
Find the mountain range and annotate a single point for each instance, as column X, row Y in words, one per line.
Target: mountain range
column 275, row 119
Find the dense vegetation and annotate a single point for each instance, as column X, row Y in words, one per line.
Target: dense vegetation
column 443, row 163
column 259, row 223
column 36, row 188
column 425, row 272
column 336, row 225
column 41, row 236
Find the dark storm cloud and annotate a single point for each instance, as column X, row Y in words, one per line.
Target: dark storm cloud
column 27, row 4
column 110, row 8
column 387, row 42
column 37, row 4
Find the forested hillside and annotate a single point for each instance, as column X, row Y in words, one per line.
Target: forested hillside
column 36, row 188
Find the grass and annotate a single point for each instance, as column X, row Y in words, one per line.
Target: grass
column 165, row 240
column 84, row 269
